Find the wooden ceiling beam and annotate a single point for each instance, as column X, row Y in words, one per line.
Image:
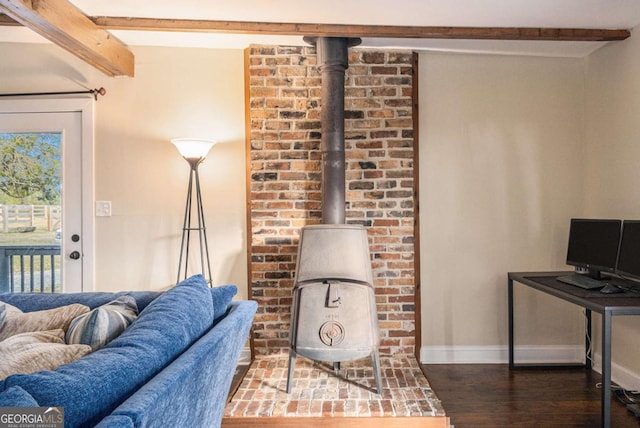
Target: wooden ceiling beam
column 65, row 25
column 337, row 30
column 7, row 21
column 374, row 31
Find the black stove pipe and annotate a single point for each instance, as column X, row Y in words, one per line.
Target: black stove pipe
column 333, row 60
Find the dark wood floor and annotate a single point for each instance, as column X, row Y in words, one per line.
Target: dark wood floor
column 493, row 396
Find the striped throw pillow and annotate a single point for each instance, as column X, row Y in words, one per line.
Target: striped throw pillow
column 103, row 324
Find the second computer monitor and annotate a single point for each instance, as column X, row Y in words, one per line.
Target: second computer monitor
column 593, row 245
column 629, row 256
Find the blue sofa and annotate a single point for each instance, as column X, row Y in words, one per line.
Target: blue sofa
column 172, row 367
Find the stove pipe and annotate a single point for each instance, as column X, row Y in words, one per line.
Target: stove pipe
column 333, row 60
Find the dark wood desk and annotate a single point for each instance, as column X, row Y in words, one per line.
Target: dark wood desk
column 608, row 305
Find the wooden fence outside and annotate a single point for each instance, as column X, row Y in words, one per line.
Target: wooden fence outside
column 30, row 217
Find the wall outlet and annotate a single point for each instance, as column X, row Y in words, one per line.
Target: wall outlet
column 103, row 208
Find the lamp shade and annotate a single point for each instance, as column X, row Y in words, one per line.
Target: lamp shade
column 191, row 148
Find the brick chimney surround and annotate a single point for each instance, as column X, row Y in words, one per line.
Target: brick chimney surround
column 284, row 181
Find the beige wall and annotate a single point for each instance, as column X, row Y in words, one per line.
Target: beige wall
column 501, row 160
column 175, row 93
column 510, row 149
column 612, row 169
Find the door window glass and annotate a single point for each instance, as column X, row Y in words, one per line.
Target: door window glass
column 30, row 211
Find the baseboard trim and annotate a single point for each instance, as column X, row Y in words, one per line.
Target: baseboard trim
column 500, row 354
column 525, row 355
column 619, row 374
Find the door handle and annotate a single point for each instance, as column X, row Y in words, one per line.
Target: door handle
column 74, row 255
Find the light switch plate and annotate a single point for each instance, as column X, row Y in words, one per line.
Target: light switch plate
column 103, row 208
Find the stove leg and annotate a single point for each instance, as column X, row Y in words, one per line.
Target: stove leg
column 292, row 365
column 375, row 356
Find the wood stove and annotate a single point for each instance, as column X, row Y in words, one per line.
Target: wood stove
column 334, row 308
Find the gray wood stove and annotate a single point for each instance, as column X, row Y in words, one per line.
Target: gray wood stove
column 334, row 316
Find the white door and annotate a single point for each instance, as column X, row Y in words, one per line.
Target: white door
column 47, row 230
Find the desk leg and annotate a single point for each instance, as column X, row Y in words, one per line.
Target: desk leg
column 510, row 309
column 606, row 370
column 588, row 341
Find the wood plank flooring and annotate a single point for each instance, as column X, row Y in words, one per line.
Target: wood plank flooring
column 493, row 396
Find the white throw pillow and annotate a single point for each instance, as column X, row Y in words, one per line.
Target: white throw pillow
column 34, row 351
column 16, row 321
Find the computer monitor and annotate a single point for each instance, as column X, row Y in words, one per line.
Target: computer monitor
column 593, row 245
column 629, row 254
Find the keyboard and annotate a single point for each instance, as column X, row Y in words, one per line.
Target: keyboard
column 582, row 281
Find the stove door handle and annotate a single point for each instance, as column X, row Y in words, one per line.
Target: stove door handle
column 333, row 295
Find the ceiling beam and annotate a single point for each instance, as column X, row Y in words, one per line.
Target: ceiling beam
column 65, row 25
column 8, row 21
column 381, row 31
column 375, row 31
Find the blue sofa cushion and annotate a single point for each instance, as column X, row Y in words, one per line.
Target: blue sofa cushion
column 16, row 397
column 221, row 297
column 102, row 324
column 91, row 387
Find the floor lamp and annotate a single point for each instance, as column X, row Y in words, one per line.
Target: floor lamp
column 194, row 151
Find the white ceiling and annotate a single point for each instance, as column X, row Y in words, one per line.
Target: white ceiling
column 604, row 14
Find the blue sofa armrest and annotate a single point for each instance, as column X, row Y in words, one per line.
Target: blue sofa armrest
column 193, row 389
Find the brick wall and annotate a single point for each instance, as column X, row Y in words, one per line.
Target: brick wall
column 285, row 180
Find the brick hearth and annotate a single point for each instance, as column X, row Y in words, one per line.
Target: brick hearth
column 318, row 392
